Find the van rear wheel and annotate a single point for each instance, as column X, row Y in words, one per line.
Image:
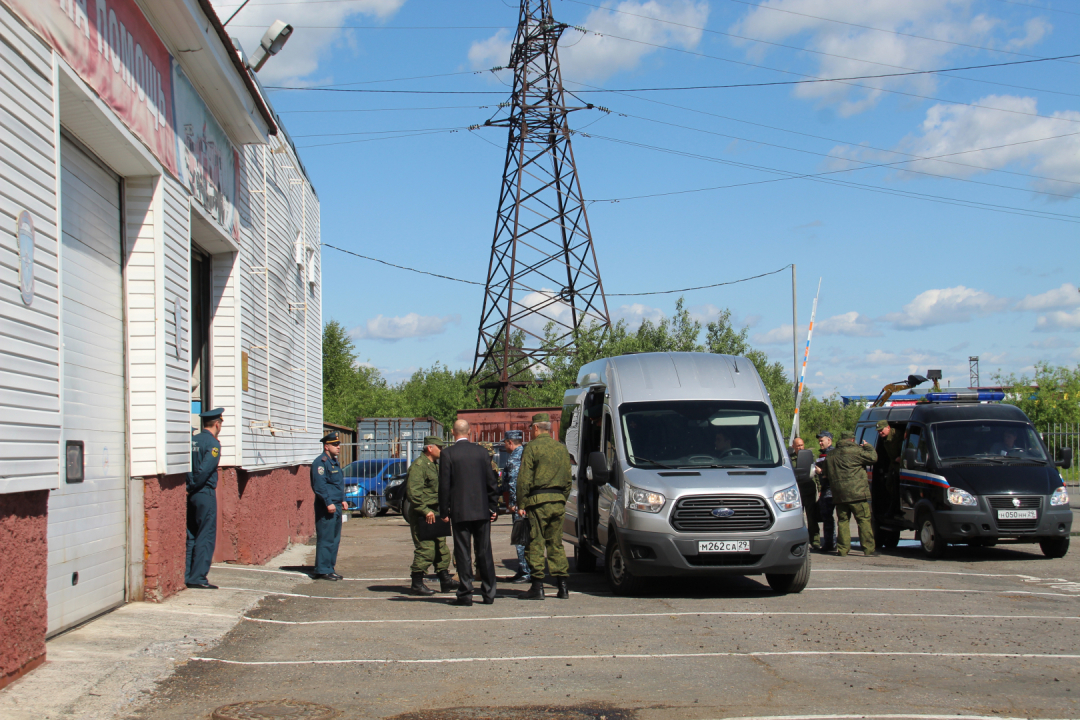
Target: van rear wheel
column 793, row 583
column 1054, row 547
column 621, row 580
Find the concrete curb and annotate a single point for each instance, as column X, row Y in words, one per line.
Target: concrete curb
column 109, row 666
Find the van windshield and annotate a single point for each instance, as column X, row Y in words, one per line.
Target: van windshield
column 989, row 440
column 699, row 433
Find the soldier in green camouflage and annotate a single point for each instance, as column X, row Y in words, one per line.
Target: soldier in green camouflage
column 422, row 491
column 846, row 467
column 543, row 484
column 891, row 462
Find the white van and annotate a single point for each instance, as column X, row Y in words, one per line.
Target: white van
column 680, row 469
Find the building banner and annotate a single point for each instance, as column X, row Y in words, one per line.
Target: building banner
column 112, row 46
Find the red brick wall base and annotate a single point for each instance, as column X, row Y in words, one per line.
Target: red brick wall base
column 259, row 514
column 24, row 569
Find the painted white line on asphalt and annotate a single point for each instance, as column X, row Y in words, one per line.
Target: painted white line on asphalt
column 897, row 716
column 944, row 590
column 637, row 656
column 301, row 574
column 718, row 613
column 326, row 597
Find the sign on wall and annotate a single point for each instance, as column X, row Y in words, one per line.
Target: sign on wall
column 115, row 50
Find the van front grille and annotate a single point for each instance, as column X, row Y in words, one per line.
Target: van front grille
column 695, row 514
column 1026, row 502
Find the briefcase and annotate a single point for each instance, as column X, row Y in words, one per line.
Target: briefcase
column 519, row 534
column 439, row 529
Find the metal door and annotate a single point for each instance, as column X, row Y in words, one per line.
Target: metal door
column 88, row 519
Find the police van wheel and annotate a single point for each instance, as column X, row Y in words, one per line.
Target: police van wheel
column 620, row 579
column 793, row 583
column 370, row 507
column 929, row 538
column 584, row 560
column 1054, row 547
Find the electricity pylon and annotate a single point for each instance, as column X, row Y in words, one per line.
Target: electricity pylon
column 543, row 268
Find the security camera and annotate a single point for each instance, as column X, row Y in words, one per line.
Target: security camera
column 271, row 44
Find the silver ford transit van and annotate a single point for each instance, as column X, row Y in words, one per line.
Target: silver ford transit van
column 680, row 469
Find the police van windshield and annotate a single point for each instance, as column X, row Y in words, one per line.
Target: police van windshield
column 987, row 440
column 699, row 433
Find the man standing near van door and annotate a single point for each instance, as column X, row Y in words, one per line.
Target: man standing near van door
column 202, row 500
column 512, row 442
column 328, row 484
column 825, row 499
column 846, row 467
column 892, row 440
column 422, row 490
column 808, row 492
column 543, row 485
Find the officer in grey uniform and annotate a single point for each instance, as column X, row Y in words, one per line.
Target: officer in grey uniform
column 328, row 484
column 202, row 483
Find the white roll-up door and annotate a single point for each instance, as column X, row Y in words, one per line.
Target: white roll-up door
column 88, row 520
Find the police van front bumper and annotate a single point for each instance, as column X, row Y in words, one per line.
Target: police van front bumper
column 964, row 525
column 664, row 554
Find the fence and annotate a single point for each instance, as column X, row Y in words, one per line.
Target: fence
column 1064, row 435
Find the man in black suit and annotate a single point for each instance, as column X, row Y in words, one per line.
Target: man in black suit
column 469, row 496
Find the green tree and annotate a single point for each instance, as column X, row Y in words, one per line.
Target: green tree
column 1052, row 396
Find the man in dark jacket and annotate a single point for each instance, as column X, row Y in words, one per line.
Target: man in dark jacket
column 851, row 492
column 328, row 484
column 202, row 501
column 825, row 498
column 469, row 497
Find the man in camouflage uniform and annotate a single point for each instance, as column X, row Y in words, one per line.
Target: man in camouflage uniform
column 422, row 490
column 808, row 492
column 512, row 442
column 893, row 440
column 846, row 468
column 543, row 484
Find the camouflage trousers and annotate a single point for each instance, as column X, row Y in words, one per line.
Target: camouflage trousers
column 427, row 552
column 545, row 534
column 861, row 511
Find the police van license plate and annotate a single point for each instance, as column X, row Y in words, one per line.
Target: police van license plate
column 1017, row 514
column 712, row 546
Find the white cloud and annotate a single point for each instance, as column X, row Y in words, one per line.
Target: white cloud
column 948, row 305
column 1063, row 298
column 950, row 20
column 636, row 313
column 1015, row 139
column 308, row 45
column 851, row 324
column 1058, row 320
column 601, row 53
column 408, row 326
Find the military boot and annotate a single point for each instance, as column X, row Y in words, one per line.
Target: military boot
column 446, row 582
column 418, row 586
column 535, row 591
column 564, row 591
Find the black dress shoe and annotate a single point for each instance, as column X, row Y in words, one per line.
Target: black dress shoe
column 336, row 576
column 201, row 586
column 489, row 601
column 328, row 576
column 463, row 601
column 520, row 578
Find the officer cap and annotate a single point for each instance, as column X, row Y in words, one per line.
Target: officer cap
column 433, row 440
column 541, row 417
column 824, row 434
column 514, row 435
column 212, row 414
column 331, row 437
column 882, row 424
column 847, row 435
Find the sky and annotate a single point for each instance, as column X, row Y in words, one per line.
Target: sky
column 938, row 211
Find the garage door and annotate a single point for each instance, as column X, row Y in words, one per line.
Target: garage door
column 88, row 520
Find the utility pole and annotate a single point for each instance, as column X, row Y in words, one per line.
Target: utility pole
column 543, row 270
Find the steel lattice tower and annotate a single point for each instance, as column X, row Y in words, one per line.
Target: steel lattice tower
column 543, row 266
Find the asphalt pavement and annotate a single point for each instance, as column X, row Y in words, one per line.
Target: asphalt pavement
column 991, row 632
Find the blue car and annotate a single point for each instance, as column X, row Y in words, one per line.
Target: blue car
column 365, row 483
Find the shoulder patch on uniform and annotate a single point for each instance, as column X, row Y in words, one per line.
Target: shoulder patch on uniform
column 214, row 452
column 320, row 469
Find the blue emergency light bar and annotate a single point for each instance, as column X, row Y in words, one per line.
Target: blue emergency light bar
column 972, row 396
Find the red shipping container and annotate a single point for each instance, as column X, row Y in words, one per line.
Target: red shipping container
column 489, row 425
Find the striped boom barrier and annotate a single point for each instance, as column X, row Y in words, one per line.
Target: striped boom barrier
column 802, row 374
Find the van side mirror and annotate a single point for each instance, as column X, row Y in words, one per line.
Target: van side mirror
column 1065, row 458
column 597, row 471
column 909, row 458
column 804, row 461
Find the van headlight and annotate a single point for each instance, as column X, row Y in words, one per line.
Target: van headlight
column 644, row 500
column 1060, row 496
column 961, row 497
column 788, row 498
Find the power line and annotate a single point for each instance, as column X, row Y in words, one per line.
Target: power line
column 392, row 137
column 379, row 132
column 473, row 282
column 387, row 27
column 1039, row 7
column 361, row 110
column 403, row 92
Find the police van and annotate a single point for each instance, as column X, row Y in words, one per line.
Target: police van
column 971, row 470
column 680, row 469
